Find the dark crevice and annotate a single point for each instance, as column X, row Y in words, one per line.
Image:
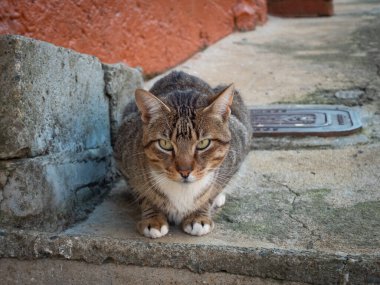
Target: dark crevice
column 378, row 69
column 315, row 236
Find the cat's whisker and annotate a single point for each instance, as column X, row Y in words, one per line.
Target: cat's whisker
column 227, row 181
column 134, row 202
column 234, row 188
column 157, row 179
column 139, row 153
column 141, row 172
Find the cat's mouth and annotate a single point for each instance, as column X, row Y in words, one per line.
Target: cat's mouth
column 193, row 178
column 188, row 180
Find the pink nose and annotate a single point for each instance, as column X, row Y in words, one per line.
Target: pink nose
column 184, row 173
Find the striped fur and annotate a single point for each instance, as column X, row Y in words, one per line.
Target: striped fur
column 180, row 184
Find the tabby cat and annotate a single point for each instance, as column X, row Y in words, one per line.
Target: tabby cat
column 178, row 146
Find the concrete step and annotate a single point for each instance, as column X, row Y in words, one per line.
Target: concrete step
column 48, row 271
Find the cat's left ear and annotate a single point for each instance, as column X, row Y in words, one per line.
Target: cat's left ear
column 220, row 106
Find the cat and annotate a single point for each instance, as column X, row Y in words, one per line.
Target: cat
column 177, row 147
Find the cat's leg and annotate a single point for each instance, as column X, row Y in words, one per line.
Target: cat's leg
column 219, row 200
column 198, row 223
column 153, row 223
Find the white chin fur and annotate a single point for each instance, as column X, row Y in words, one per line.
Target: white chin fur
column 181, row 195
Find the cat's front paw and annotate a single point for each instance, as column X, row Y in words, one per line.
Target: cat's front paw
column 198, row 226
column 153, row 227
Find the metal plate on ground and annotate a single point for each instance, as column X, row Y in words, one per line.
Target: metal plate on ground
column 305, row 120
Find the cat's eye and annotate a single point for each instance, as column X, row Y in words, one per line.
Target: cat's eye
column 165, row 145
column 203, row 144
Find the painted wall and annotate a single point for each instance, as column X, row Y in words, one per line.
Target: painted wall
column 153, row 34
column 301, row 8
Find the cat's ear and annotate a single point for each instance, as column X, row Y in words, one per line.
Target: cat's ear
column 221, row 104
column 149, row 105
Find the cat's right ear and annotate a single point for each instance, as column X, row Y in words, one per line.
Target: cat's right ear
column 221, row 106
column 149, row 105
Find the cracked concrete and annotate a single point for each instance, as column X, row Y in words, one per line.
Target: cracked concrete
column 300, row 210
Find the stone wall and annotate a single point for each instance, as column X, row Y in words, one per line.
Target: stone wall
column 153, row 34
column 57, row 108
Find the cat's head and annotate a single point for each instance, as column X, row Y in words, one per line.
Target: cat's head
column 186, row 135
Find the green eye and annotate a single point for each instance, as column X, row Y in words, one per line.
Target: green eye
column 203, row 144
column 165, row 144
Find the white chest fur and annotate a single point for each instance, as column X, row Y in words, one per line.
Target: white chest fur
column 181, row 195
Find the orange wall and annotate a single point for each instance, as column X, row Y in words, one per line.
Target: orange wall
column 155, row 34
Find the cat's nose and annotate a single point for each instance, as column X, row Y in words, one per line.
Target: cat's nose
column 184, row 173
column 184, row 168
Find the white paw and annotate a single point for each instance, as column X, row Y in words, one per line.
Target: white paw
column 220, row 200
column 155, row 233
column 197, row 229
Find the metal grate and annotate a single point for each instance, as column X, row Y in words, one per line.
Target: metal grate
column 304, row 120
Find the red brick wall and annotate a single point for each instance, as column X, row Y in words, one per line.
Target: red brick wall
column 153, row 34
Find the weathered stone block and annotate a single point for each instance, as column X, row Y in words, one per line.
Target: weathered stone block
column 42, row 192
column 54, row 133
column 51, row 99
column 121, row 82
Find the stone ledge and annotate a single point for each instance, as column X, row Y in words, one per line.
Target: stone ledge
column 58, row 271
column 44, row 192
column 290, row 265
